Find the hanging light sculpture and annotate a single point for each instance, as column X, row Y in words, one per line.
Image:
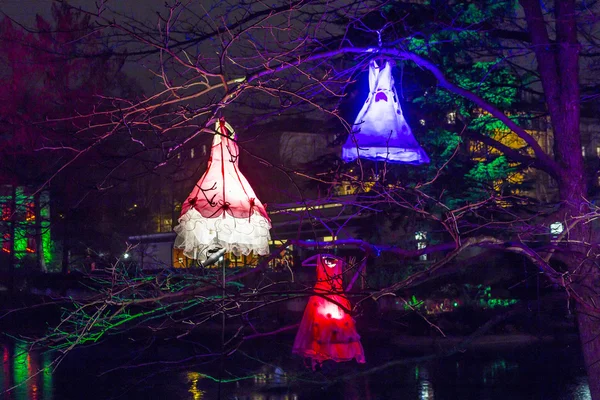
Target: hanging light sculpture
column 223, row 212
column 380, row 131
column 327, row 331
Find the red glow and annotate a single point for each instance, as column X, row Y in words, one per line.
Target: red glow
column 5, row 212
column 6, row 243
column 327, row 332
column 33, row 370
column 6, row 364
column 30, row 245
column 30, row 212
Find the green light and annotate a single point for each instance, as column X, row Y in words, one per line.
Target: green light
column 47, row 243
column 20, row 364
column 47, row 376
column 412, row 304
column 455, row 304
column 107, row 321
column 24, row 228
column 20, row 241
column 493, row 303
column 20, row 232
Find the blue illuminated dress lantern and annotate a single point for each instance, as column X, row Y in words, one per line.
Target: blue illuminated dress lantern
column 380, row 131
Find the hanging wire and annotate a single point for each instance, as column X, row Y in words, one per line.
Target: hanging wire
column 222, row 359
column 380, row 43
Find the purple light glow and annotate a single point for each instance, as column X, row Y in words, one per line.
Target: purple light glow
column 380, row 131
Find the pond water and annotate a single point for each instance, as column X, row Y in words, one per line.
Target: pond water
column 264, row 371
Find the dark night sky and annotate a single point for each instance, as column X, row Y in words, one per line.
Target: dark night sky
column 24, row 11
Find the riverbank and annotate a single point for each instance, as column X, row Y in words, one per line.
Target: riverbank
column 481, row 343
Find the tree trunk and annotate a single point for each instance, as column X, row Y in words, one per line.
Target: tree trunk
column 589, row 330
column 39, row 244
column 558, row 66
column 12, row 259
column 584, row 277
column 65, row 253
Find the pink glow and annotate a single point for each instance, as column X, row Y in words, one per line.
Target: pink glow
column 223, row 188
column 223, row 212
column 330, row 310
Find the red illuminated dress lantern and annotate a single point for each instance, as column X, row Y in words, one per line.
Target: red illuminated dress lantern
column 380, row 131
column 223, row 212
column 327, row 331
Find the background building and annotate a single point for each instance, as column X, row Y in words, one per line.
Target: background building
column 25, row 229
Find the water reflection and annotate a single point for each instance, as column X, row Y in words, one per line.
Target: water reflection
column 271, row 376
column 25, row 374
column 580, row 390
column 498, row 370
column 193, row 378
column 270, row 382
column 5, row 376
column 424, row 384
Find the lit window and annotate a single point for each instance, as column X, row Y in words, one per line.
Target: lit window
column 451, row 118
column 597, row 151
column 166, row 225
column 556, row 228
column 421, row 238
column 6, row 243
column 30, row 212
column 329, row 238
column 203, row 149
column 5, row 212
column 583, row 151
column 192, row 153
column 30, row 245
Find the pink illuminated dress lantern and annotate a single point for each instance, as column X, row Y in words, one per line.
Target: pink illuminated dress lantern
column 380, row 131
column 327, row 331
column 223, row 212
